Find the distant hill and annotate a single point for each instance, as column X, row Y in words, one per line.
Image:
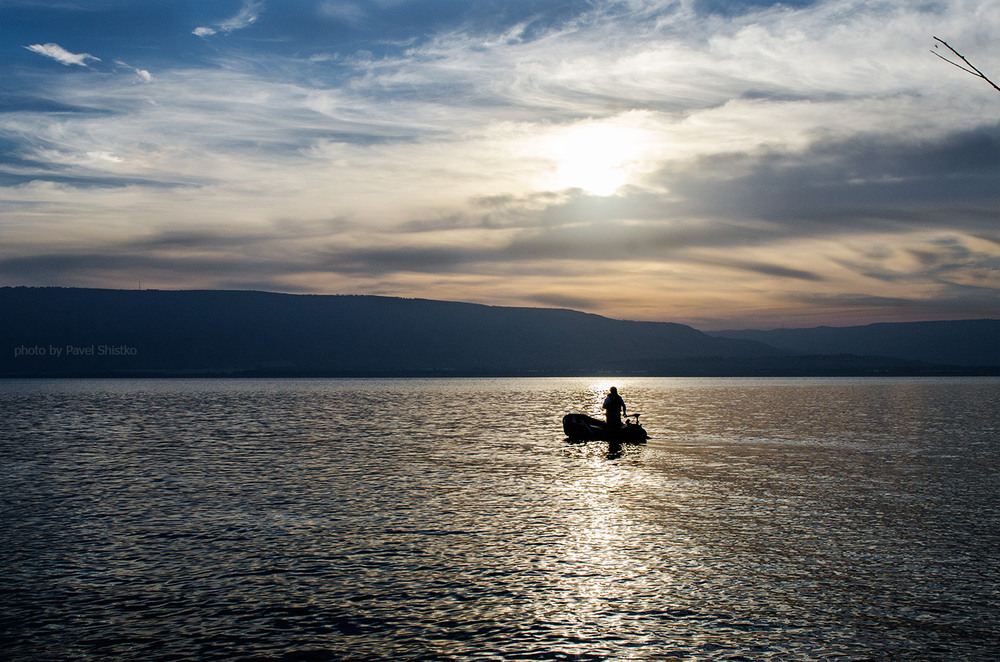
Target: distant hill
column 89, row 332
column 959, row 343
column 83, row 331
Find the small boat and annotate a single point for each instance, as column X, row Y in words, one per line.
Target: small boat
column 580, row 427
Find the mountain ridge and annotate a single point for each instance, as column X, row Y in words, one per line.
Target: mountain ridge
column 955, row 342
column 67, row 330
column 99, row 332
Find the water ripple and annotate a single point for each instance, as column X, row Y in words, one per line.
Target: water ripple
column 448, row 520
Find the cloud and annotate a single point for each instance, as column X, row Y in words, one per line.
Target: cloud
column 340, row 10
column 247, row 16
column 143, row 75
column 868, row 182
column 550, row 299
column 780, row 155
column 60, row 54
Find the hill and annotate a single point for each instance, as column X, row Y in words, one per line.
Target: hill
column 66, row 331
column 90, row 332
column 957, row 343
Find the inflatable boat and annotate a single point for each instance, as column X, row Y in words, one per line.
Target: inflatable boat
column 580, row 427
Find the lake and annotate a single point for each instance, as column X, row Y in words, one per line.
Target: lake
column 450, row 519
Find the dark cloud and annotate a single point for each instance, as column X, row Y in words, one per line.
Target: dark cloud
column 81, row 181
column 376, row 262
column 595, row 244
column 867, row 183
column 775, row 270
column 224, row 255
column 948, row 253
column 202, row 240
column 58, row 267
column 953, row 301
column 946, row 261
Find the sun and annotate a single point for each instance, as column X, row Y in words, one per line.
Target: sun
column 596, row 157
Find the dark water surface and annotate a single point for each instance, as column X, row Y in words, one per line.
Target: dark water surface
column 450, row 520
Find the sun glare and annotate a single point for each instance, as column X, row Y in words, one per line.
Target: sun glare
column 598, row 158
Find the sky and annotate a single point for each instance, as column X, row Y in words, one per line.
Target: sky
column 719, row 163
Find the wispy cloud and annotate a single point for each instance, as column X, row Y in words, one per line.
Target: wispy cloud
column 60, row 54
column 143, row 75
column 247, row 16
column 342, row 10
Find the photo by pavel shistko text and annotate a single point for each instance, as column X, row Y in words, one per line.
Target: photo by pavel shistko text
column 61, row 351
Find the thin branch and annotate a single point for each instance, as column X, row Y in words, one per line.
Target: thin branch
column 969, row 69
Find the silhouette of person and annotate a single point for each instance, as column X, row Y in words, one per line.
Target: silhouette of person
column 613, row 407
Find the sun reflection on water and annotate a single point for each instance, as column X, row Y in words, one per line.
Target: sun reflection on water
column 267, row 520
column 597, row 572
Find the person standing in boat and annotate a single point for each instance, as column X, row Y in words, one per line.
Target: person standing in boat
column 614, row 408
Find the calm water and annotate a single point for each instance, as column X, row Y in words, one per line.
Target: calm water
column 450, row 520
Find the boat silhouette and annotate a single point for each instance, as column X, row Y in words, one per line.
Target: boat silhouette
column 580, row 427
